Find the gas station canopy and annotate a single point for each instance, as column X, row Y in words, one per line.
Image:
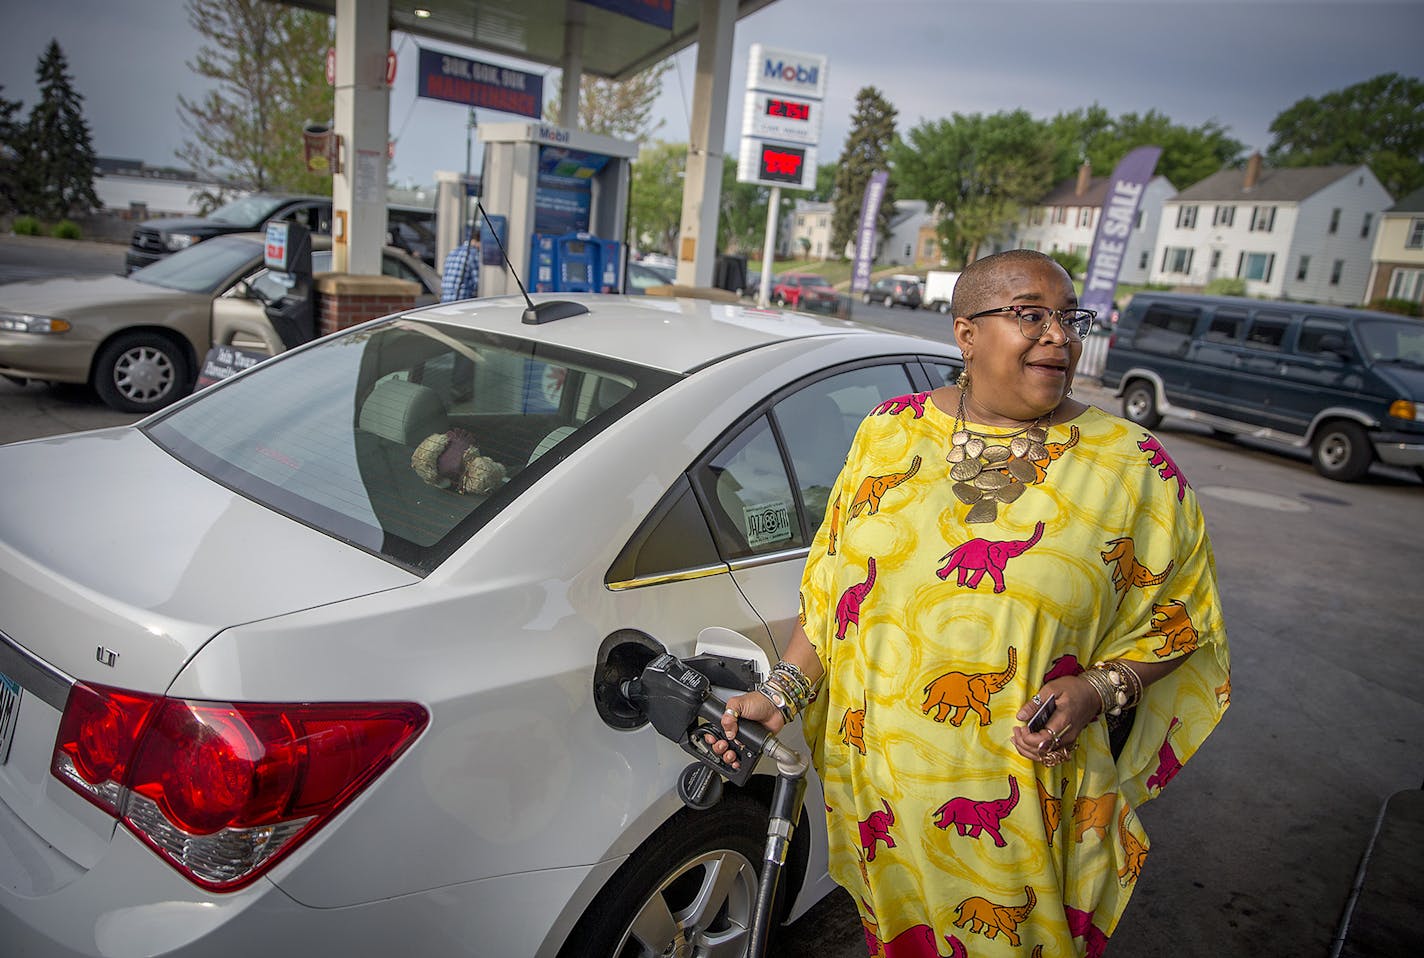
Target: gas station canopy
column 616, row 45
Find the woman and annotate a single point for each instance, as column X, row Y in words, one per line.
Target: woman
column 1042, row 551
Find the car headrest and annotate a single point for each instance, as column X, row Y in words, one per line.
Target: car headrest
column 403, row 412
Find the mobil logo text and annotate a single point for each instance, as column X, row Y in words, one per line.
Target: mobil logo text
column 778, row 69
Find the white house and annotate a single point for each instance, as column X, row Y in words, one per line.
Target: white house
column 1067, row 218
column 809, row 221
column 1299, row 234
column 902, row 246
column 1397, row 270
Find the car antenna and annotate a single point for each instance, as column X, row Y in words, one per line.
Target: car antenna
column 543, row 312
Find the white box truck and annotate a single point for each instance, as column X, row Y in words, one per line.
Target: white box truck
column 939, row 289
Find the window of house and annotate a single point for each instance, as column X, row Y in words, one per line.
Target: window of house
column 1144, row 259
column 909, row 250
column 1303, row 268
column 1037, row 219
column 1369, row 221
column 1416, row 234
column 1186, row 217
column 1223, row 216
column 1177, row 259
column 1268, row 331
column 1137, row 221
column 1060, row 214
column 1334, row 221
column 1263, row 218
column 1256, row 266
column 1407, row 284
column 1085, row 217
column 1335, row 271
column 1216, row 259
column 800, row 221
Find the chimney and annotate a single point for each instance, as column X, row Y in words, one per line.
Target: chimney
column 1085, row 173
column 1253, row 171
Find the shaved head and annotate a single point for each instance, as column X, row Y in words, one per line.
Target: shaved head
column 980, row 286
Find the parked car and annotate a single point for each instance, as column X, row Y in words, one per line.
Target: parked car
column 640, row 277
column 938, row 290
column 895, row 290
column 1347, row 383
column 139, row 339
column 154, row 239
column 349, row 693
column 412, row 228
column 806, row 291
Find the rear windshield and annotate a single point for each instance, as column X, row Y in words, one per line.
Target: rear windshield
column 404, row 437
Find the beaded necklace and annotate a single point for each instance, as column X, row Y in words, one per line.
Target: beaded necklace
column 988, row 470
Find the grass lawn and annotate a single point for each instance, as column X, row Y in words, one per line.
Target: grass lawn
column 837, row 271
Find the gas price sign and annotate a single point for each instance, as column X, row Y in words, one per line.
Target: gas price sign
column 790, row 119
column 777, row 164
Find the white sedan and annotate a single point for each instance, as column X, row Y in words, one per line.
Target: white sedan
column 323, row 659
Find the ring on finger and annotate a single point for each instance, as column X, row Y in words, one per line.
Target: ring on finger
column 1038, row 700
column 732, row 711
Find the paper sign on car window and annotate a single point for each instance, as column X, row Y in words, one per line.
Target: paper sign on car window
column 767, row 523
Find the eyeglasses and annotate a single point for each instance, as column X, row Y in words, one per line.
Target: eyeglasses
column 1034, row 320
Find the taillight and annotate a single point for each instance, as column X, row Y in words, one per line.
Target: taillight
column 223, row 790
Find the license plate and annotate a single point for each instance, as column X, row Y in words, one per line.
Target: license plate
column 9, row 713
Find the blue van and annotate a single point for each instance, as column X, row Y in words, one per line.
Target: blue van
column 1348, row 383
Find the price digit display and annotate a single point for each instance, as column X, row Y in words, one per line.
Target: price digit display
column 791, row 109
column 782, row 164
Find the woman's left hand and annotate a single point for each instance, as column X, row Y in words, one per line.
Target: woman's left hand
column 1075, row 706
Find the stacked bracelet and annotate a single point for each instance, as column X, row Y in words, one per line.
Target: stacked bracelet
column 788, row 689
column 1118, row 686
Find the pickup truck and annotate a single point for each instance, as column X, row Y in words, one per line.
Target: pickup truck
column 154, row 239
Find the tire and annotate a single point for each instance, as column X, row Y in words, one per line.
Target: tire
column 1139, row 404
column 658, row 889
column 865, row 298
column 141, row 372
column 1342, row 451
column 943, row 309
column 889, row 302
column 781, row 301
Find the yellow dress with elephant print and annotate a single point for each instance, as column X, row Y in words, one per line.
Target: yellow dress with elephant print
column 934, row 631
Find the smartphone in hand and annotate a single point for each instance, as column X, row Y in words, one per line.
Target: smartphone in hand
column 1040, row 718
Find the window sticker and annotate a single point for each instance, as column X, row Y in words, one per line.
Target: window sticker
column 767, row 523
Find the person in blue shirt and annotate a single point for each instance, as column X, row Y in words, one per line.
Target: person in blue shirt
column 460, row 274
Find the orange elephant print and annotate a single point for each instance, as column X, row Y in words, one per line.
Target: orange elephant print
column 1134, row 851
column 1127, row 572
column 872, row 488
column 1051, row 806
column 1173, row 625
column 853, row 729
column 954, row 694
column 989, row 919
column 1093, row 813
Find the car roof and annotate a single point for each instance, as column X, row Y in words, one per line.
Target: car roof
column 675, row 334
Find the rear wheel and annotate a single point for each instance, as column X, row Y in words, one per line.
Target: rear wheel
column 865, row 298
column 889, row 302
column 943, row 308
column 1342, row 451
column 140, row 372
column 691, row 889
column 1139, row 404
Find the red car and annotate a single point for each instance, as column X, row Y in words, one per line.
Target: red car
column 805, row 291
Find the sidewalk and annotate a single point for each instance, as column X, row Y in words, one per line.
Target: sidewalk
column 1382, row 917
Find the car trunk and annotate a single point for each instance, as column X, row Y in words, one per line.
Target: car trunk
column 180, row 559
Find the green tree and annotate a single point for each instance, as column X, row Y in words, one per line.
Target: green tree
column 741, row 227
column 1379, row 122
column 867, row 149
column 980, row 170
column 11, row 150
column 57, row 157
column 622, row 108
column 655, row 196
column 269, row 66
column 825, row 183
column 1189, row 154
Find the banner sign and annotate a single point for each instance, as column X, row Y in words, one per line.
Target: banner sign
column 865, row 233
column 1115, row 221
column 655, row 12
column 472, row 83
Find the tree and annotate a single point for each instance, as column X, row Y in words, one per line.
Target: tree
column 1189, row 154
column 269, row 63
column 655, row 195
column 622, row 108
column 741, row 227
column 1379, row 122
column 57, row 158
column 825, row 183
column 867, row 149
column 11, row 146
column 979, row 170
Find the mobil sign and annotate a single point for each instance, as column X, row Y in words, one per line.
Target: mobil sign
column 785, row 71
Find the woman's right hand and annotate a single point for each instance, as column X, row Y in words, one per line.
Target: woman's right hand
column 751, row 705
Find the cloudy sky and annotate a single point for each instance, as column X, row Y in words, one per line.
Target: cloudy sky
column 1239, row 63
